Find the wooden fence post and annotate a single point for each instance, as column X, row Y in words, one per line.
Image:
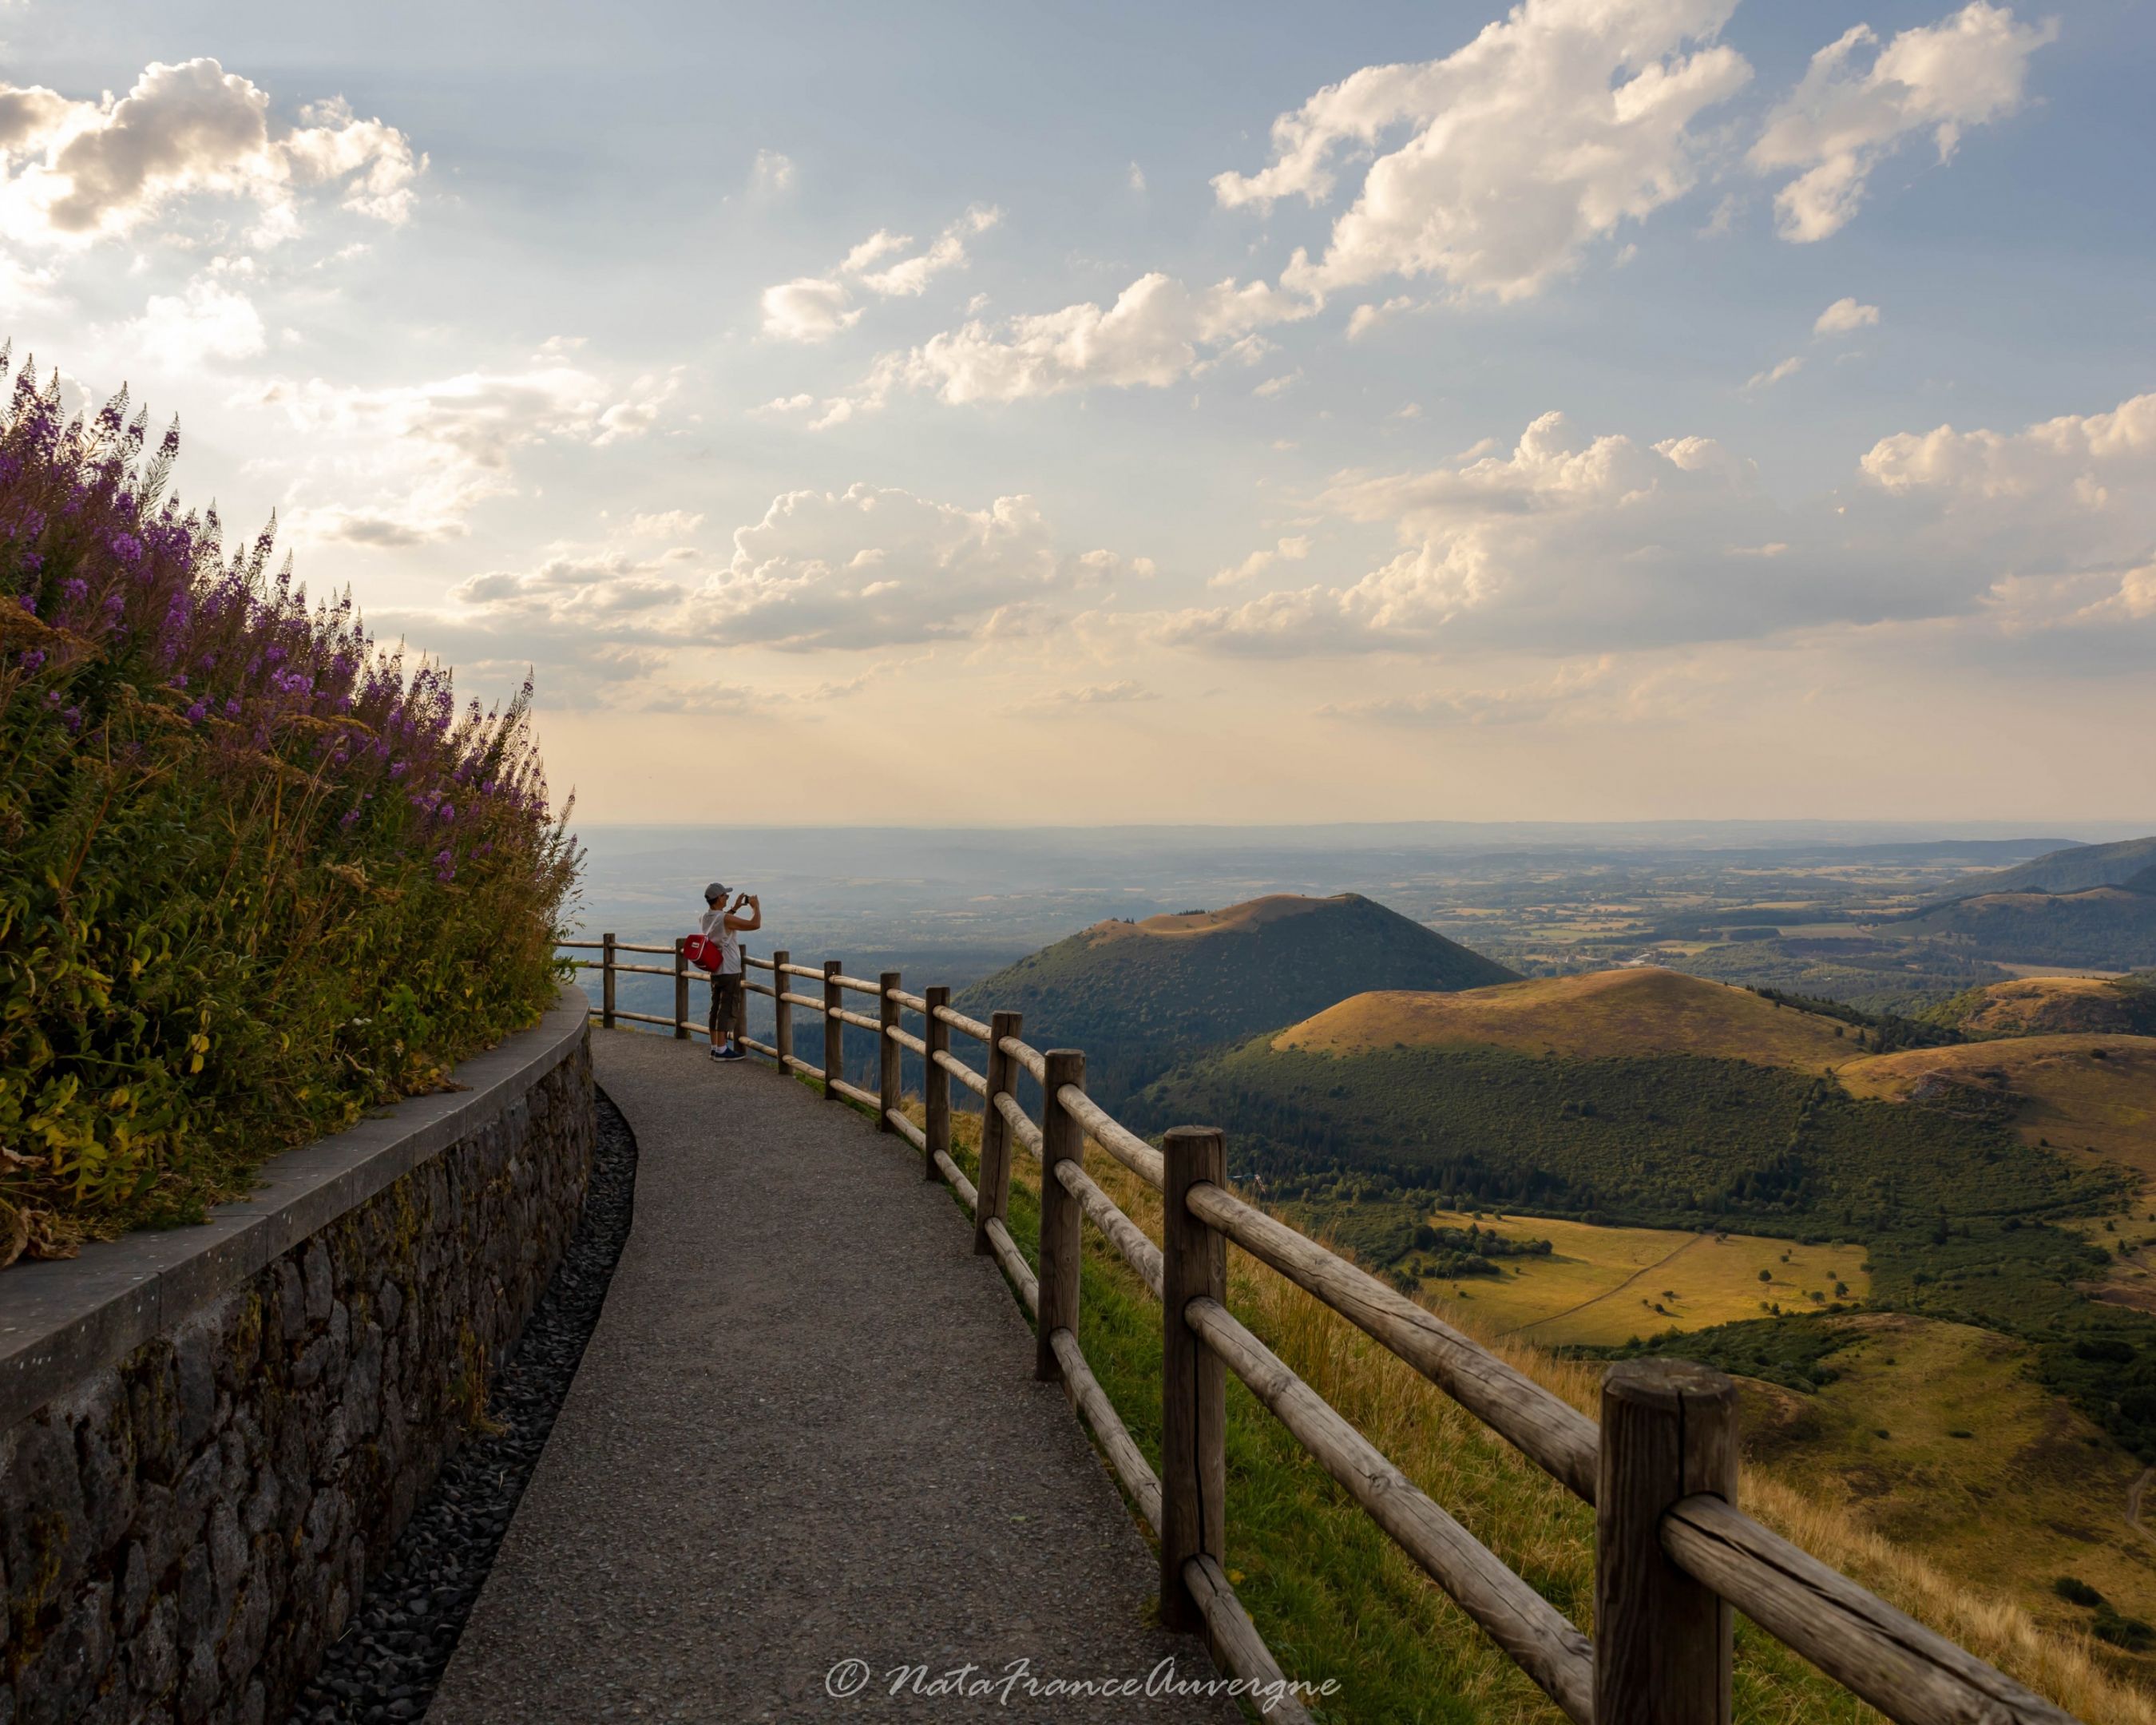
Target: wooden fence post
column 992, row 1187
column 1661, row 1638
column 606, row 982
column 1194, row 1409
column 936, row 1083
column 1062, row 1221
column 781, row 1010
column 680, row 990
column 835, row 1031
column 889, row 1072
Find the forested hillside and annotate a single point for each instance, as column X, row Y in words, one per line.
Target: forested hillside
column 2073, row 869
column 2102, row 927
column 1968, row 1172
column 1139, row 996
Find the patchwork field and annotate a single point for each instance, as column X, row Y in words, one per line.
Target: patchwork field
column 2085, row 1092
column 1937, row 1436
column 1605, row 1286
column 1596, row 1016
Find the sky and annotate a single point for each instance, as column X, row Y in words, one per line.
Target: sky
column 1599, row 409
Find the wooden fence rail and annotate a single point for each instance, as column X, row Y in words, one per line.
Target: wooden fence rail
column 1674, row 1554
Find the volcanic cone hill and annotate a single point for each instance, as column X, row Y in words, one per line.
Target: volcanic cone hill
column 2092, row 905
column 2054, row 1005
column 1139, row 997
column 2075, row 869
column 1644, row 1096
column 2102, row 927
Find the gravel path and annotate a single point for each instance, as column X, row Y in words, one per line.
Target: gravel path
column 806, row 1432
column 389, row 1661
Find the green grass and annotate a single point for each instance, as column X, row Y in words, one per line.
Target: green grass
column 1334, row 1599
column 1961, row 1217
column 1982, row 1469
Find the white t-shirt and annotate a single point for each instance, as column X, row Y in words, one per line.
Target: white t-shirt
column 714, row 924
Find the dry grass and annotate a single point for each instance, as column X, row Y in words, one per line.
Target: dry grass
column 1334, row 1597
column 2086, row 1092
column 2038, row 1493
column 1608, row 1286
column 1602, row 1013
column 1274, row 907
column 1544, row 1534
column 2036, row 1006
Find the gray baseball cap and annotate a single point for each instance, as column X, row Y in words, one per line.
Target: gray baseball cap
column 717, row 889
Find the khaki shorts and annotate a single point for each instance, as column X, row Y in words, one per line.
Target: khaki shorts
column 728, row 1005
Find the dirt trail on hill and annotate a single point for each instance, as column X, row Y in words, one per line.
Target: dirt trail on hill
column 1661, row 1263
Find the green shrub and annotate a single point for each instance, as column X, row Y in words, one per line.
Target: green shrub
column 254, row 878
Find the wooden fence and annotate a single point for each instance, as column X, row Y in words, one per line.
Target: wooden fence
column 1674, row 1554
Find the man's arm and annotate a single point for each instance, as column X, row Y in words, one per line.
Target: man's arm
column 753, row 921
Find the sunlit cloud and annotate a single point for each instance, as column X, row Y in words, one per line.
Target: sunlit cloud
column 1848, row 116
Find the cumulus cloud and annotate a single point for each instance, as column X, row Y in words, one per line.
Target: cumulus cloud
column 78, row 171
column 1845, row 316
column 1564, row 535
column 404, row 464
column 910, row 277
column 872, row 567
column 1365, row 318
column 208, row 320
column 814, row 308
column 1568, row 543
column 867, row 568
column 1293, row 550
column 808, row 309
column 1859, row 103
column 2060, row 515
column 1156, row 333
column 1775, row 373
column 2099, row 461
column 1498, row 164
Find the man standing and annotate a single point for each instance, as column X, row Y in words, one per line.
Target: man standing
column 724, row 924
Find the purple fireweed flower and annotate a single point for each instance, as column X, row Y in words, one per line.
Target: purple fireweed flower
column 34, row 561
column 351, row 817
column 74, row 589
column 72, row 718
column 126, row 547
column 448, row 811
column 32, row 660
column 232, row 707
column 180, row 680
column 445, row 865
column 398, row 769
column 28, row 602
column 195, row 713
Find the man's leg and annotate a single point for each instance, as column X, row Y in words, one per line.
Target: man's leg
column 718, row 1003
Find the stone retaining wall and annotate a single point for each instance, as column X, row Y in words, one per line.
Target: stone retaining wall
column 207, row 1436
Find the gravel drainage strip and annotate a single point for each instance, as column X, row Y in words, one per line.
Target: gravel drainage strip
column 386, row 1664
